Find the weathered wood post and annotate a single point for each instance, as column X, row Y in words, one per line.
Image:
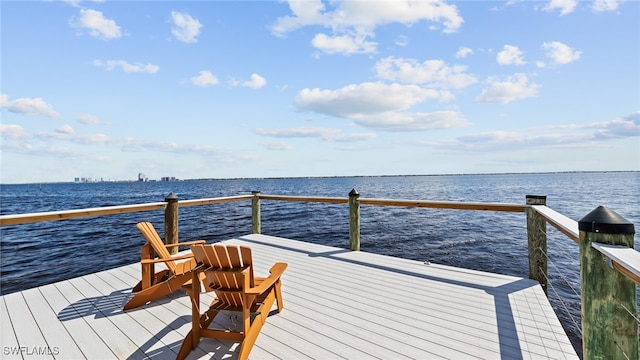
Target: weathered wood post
column 609, row 330
column 354, row 220
column 255, row 212
column 171, row 222
column 537, row 240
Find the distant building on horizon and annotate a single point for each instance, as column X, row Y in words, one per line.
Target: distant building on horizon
column 168, row 178
column 142, row 177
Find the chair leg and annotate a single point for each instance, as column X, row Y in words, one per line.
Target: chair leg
column 251, row 333
column 278, row 288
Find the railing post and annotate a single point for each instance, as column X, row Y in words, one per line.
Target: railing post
column 609, row 305
column 354, row 220
column 255, row 212
column 537, row 240
column 171, row 222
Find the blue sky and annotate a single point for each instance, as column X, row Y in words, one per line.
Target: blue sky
column 226, row 89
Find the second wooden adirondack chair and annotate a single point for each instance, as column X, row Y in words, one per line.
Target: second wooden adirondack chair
column 155, row 285
column 229, row 272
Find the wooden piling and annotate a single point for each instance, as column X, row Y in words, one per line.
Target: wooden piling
column 255, row 213
column 354, row 220
column 609, row 304
column 537, row 242
column 171, row 222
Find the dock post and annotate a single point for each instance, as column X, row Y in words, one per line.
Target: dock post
column 537, row 240
column 609, row 304
column 171, row 222
column 354, row 220
column 255, row 212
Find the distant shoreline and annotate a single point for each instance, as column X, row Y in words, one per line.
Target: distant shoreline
column 326, row 177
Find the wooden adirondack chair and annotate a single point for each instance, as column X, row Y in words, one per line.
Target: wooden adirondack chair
column 229, row 272
column 154, row 285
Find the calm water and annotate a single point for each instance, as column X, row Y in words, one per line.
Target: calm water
column 37, row 254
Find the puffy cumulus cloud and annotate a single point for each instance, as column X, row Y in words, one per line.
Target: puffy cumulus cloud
column 28, row 106
column 564, row 6
column 513, row 88
column 89, row 119
column 401, row 121
column 98, row 26
column 510, row 55
column 463, row 52
column 127, row 67
column 256, row 82
column 365, row 98
column 435, row 73
column 13, row 132
column 343, row 44
column 185, row 28
column 352, row 22
column 205, row 78
column 560, row 53
column 605, row 5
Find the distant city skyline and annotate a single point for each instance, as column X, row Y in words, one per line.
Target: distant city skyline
column 262, row 89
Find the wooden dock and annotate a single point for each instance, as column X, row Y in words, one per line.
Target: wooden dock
column 338, row 304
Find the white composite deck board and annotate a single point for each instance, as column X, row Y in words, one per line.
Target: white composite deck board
column 7, row 334
column 338, row 304
column 386, row 313
column 83, row 333
column 56, row 335
column 27, row 330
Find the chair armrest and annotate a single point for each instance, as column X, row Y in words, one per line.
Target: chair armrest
column 153, row 261
column 275, row 272
column 195, row 242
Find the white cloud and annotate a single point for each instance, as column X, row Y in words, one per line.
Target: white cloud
column 365, row 98
column 206, row 78
column 513, row 88
column 98, row 26
column 353, row 22
column 28, row 106
column 463, row 52
column 89, row 119
column 605, row 5
column 402, row 41
column 510, row 55
column 343, row 44
column 400, row 121
column 550, row 136
column 127, row 67
column 13, row 132
column 65, row 129
column 380, row 106
column 435, row 73
column 560, row 53
column 326, row 134
column 277, row 145
column 185, row 28
column 565, row 6
column 256, row 82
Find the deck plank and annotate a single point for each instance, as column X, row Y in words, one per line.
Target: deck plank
column 337, row 304
column 30, row 339
column 59, row 341
column 7, row 334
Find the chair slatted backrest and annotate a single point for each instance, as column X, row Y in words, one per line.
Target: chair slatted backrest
column 153, row 238
column 228, row 269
